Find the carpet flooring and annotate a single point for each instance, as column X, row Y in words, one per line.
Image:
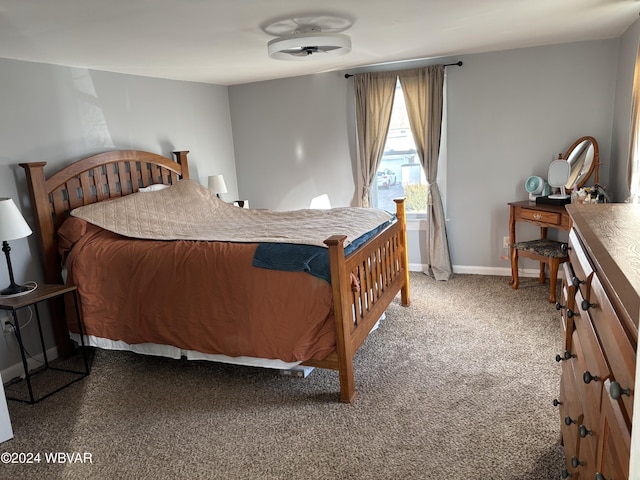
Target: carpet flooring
column 457, row 386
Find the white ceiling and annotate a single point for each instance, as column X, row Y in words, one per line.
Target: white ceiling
column 223, row 41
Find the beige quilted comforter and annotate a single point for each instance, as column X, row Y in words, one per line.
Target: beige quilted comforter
column 189, row 211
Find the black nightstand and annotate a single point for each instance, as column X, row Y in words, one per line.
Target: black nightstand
column 43, row 293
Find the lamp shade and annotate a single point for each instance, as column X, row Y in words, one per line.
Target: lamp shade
column 216, row 184
column 12, row 223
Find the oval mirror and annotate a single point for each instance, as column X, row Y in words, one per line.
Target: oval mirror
column 584, row 159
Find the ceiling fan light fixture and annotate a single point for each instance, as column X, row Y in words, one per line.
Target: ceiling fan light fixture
column 304, row 46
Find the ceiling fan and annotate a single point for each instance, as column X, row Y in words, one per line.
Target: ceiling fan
column 306, row 51
column 303, row 51
column 302, row 37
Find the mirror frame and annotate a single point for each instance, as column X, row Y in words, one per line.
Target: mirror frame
column 595, row 163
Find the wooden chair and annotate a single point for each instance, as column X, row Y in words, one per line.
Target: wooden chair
column 545, row 251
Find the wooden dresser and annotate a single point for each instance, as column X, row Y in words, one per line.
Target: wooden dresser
column 600, row 307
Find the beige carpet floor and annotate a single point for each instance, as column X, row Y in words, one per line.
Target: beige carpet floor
column 457, row 386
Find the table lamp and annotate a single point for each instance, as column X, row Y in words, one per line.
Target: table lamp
column 217, row 185
column 12, row 227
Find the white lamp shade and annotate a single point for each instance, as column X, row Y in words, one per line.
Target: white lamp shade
column 216, row 184
column 12, row 223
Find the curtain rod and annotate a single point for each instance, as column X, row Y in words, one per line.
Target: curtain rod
column 457, row 64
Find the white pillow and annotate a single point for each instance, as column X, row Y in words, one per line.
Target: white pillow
column 154, row 187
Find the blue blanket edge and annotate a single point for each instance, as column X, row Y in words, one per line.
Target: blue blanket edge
column 312, row 259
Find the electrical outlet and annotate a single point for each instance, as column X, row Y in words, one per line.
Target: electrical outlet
column 505, row 242
column 7, row 327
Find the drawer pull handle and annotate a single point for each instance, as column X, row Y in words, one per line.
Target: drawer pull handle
column 556, row 402
column 587, row 377
column 576, row 282
column 560, row 307
column 537, row 216
column 599, row 476
column 616, row 391
column 567, row 355
column 565, row 473
column 584, row 431
column 586, row 305
column 575, row 463
column 568, row 421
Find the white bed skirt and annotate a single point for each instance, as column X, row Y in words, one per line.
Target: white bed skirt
column 176, row 353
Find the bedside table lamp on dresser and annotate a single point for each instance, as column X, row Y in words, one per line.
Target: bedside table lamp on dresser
column 12, row 227
column 216, row 184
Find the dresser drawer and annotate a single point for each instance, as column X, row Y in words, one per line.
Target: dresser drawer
column 579, row 414
column 549, row 218
column 571, row 413
column 574, row 417
column 567, row 304
column 614, row 449
column 617, row 347
column 588, row 438
column 590, row 359
column 580, row 263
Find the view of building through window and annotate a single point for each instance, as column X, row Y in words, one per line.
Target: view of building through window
column 400, row 173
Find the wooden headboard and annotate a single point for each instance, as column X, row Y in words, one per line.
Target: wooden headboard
column 90, row 180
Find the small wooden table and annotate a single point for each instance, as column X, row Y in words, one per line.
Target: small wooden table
column 42, row 293
column 545, row 216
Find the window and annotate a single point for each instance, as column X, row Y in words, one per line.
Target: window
column 400, row 173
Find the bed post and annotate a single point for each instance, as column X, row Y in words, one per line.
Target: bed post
column 42, row 216
column 181, row 159
column 46, row 234
column 402, row 218
column 342, row 314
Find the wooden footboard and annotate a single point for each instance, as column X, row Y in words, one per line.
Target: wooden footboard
column 364, row 284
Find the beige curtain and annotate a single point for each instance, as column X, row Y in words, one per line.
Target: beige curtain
column 423, row 94
column 374, row 100
column 633, row 167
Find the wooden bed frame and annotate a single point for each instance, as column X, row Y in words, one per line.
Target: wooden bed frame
column 380, row 265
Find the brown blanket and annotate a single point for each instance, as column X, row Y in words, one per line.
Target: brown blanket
column 196, row 295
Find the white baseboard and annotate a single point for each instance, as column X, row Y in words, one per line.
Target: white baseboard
column 16, row 370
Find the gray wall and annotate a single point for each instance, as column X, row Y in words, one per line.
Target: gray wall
column 59, row 114
column 622, row 116
column 293, row 141
column 509, row 114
